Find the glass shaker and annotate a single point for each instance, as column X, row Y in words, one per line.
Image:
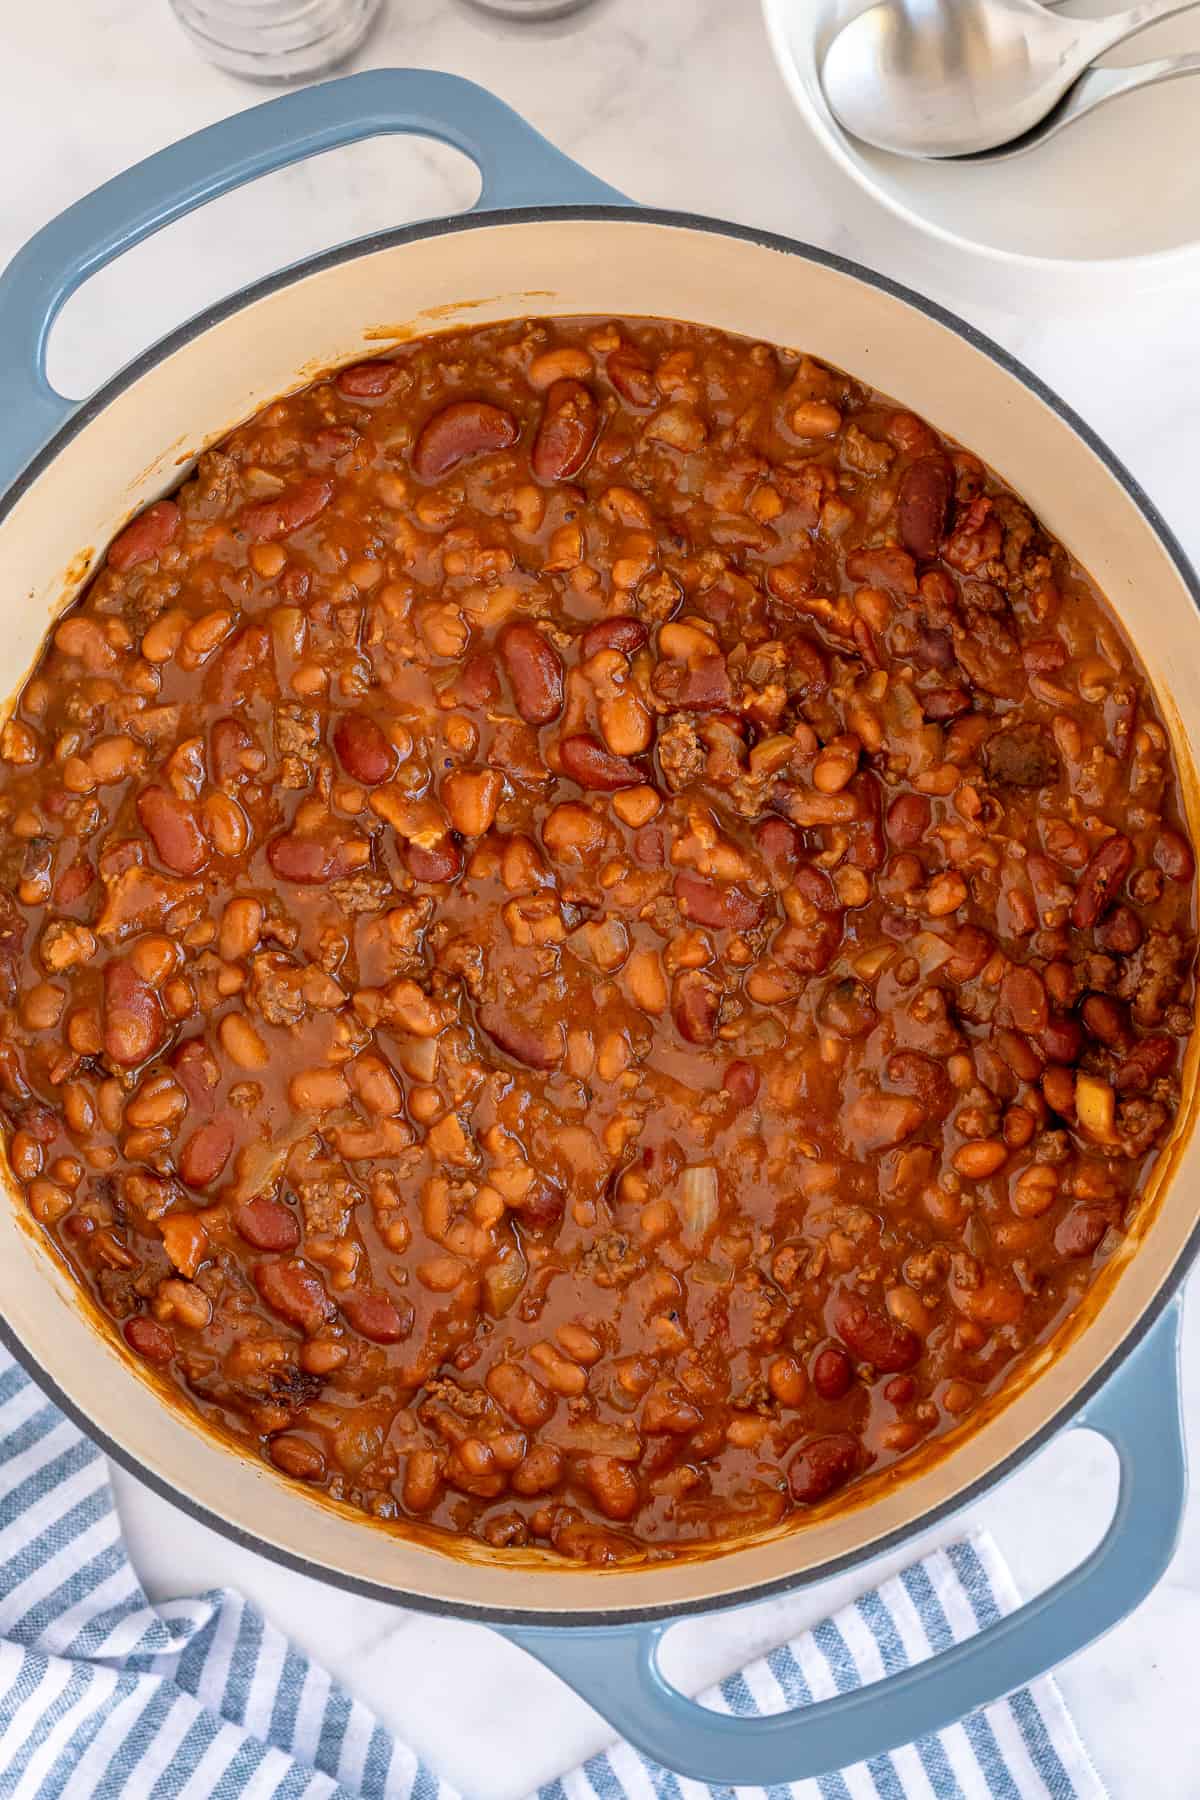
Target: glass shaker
column 276, row 40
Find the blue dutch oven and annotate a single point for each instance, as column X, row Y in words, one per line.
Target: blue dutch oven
column 548, row 238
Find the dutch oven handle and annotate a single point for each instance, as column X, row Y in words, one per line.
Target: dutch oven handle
column 616, row 1668
column 517, row 165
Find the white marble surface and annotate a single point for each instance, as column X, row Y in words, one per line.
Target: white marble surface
column 675, row 103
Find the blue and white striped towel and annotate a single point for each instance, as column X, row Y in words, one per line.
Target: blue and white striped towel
column 105, row 1697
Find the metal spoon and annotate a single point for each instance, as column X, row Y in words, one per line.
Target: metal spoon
column 934, row 78
column 1094, row 89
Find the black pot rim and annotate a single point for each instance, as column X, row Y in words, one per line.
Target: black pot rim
column 90, row 409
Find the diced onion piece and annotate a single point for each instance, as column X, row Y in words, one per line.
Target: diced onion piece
column 931, row 952
column 1095, row 1108
column 869, row 964
column 503, row 1280
column 699, row 1201
column 592, row 1437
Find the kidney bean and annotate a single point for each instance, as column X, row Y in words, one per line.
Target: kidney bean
column 780, row 844
column 535, row 670
column 909, row 818
column 309, row 862
column 695, row 1006
column 1173, row 855
column 587, row 762
column 288, row 511
column 822, row 1465
column 196, row 1072
column 631, row 376
column 73, row 883
column 741, row 1083
column 1151, row 1057
column 363, row 750
column 463, row 429
column 173, row 829
column 1081, row 1231
column 1044, row 656
column 206, row 1152
column 923, row 504
column 229, row 743
column 1061, row 1040
column 1119, row 931
column 622, row 633
column 887, row 567
column 701, row 686
column 874, row 1336
column 151, row 1340
column 297, row 1457
column 710, row 903
column 433, row 862
column 924, row 1078
column 847, row 1008
column 832, row 1373
column 567, row 433
column 542, row 1205
column 1101, row 881
column 145, row 537
column 1023, row 993
column 376, row 1317
column 933, row 649
column 267, row 1223
column 367, row 380
column 537, row 1049
column 1106, row 1019
column 134, row 1027
column 479, row 684
column 942, row 704
column 295, row 1292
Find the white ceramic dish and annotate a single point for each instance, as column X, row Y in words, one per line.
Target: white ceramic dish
column 1120, row 188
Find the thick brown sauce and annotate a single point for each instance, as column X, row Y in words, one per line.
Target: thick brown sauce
column 589, row 967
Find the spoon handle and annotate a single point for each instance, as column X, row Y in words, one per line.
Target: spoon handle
column 1119, row 26
column 1094, row 89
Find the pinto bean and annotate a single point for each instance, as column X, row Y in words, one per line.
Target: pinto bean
column 535, row 669
column 567, row 433
column 173, row 829
column 145, row 537
column 464, row 429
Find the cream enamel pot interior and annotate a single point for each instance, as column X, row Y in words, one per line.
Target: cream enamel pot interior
column 580, row 251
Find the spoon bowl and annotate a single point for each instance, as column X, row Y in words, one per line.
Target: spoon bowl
column 953, row 78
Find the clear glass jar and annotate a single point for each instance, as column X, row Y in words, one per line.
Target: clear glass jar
column 276, row 40
column 531, row 9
